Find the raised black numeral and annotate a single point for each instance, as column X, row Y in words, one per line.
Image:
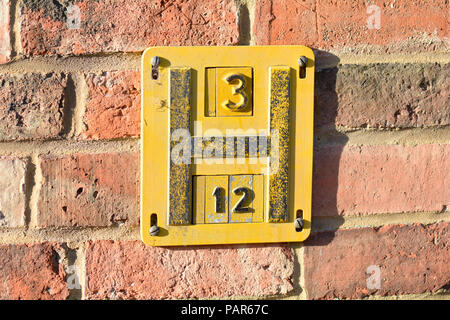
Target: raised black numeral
column 219, row 195
column 243, row 203
column 242, row 206
column 237, row 90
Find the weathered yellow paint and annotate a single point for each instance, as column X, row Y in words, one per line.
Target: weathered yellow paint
column 245, row 168
column 180, row 179
column 228, row 92
column 210, row 92
column 280, row 105
column 155, row 140
column 236, row 182
column 258, row 200
column 199, row 199
column 259, row 151
column 211, row 214
column 204, row 186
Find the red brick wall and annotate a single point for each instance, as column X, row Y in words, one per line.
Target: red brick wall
column 69, row 150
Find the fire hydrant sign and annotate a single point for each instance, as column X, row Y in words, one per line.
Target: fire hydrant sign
column 227, row 144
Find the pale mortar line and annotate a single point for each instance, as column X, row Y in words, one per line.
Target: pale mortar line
column 73, row 64
column 372, row 137
column 298, row 292
column 68, row 235
column 425, row 296
column 442, row 294
column 324, row 62
column 131, row 61
column 65, row 253
column 299, row 254
column 321, row 224
column 411, row 137
column 240, row 4
column 251, row 11
column 439, row 295
column 82, row 93
column 80, row 264
column 17, row 45
column 68, row 147
column 301, row 257
column 35, row 192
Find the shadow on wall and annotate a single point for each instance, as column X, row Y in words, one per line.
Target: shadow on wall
column 328, row 147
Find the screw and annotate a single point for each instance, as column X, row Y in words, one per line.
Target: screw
column 155, row 61
column 302, row 60
column 154, row 231
column 298, row 224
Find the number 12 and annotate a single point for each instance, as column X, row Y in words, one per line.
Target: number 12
column 242, row 206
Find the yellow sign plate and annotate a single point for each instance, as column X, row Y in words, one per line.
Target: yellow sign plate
column 227, row 145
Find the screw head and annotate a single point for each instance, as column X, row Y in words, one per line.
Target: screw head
column 154, row 231
column 302, row 60
column 155, row 60
column 298, row 224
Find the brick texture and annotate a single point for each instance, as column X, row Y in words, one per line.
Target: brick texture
column 114, row 104
column 412, row 259
column 383, row 96
column 30, row 272
column 53, row 182
column 380, row 179
column 285, row 22
column 129, row 269
column 344, row 23
column 31, row 106
column 326, row 24
column 12, row 192
column 5, row 39
column 89, row 190
column 49, row 27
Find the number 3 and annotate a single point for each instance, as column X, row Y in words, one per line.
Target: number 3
column 237, row 90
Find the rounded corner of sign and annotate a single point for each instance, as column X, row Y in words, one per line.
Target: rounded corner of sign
column 146, row 53
column 305, row 234
column 309, row 53
column 149, row 51
column 145, row 239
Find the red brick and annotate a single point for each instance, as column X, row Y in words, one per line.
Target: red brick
column 5, row 39
column 126, row 25
column 114, row 104
column 89, row 190
column 31, row 272
column 412, row 259
column 383, row 96
column 344, row 23
column 31, row 106
column 285, row 22
column 12, row 192
column 130, row 270
column 331, row 24
column 380, row 179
